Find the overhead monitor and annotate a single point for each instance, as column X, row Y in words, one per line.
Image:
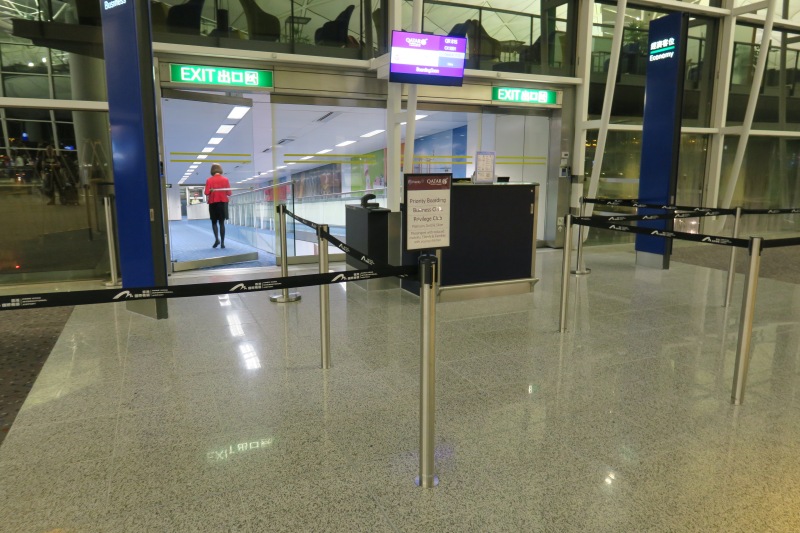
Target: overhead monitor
column 427, row 59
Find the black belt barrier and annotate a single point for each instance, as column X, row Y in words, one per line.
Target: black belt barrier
column 636, row 203
column 28, row 301
column 349, row 250
column 595, row 223
column 708, row 211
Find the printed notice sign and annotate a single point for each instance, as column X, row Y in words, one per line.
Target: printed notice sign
column 484, row 167
column 427, row 199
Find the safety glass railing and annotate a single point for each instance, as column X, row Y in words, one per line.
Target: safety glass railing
column 252, row 218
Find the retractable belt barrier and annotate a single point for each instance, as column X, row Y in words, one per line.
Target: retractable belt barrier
column 27, row 301
column 605, row 224
column 58, row 299
column 695, row 211
column 349, row 250
column 754, row 245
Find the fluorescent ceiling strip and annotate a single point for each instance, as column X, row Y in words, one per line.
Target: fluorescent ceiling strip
column 208, row 149
column 238, row 112
column 346, row 143
column 372, row 133
column 325, row 151
column 225, row 128
column 202, row 156
column 306, row 157
column 215, row 140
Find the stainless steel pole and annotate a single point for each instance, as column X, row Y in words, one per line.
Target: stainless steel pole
column 284, row 297
column 112, row 252
column 732, row 266
column 580, row 270
column 746, row 323
column 324, row 301
column 427, row 376
column 562, row 325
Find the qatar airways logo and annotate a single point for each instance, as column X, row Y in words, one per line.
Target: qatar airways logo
column 437, row 181
column 413, row 41
column 113, row 3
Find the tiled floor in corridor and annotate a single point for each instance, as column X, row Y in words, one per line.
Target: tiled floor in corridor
column 219, row 419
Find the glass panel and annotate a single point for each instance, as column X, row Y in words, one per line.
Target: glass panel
column 53, row 191
column 770, row 178
column 501, row 38
column 628, row 102
column 778, row 106
column 335, row 29
column 621, row 170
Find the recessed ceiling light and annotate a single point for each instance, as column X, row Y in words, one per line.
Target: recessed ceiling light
column 238, row 112
column 280, row 167
column 372, row 133
column 346, row 143
column 215, row 140
column 306, row 157
column 325, row 151
column 208, row 149
column 419, row 117
column 202, row 156
column 291, row 163
column 225, row 128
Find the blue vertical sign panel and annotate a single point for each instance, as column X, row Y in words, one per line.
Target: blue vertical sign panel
column 131, row 108
column 663, row 104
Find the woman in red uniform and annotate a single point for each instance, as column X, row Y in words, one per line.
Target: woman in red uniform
column 218, row 189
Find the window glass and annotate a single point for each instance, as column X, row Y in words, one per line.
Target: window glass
column 778, row 106
column 769, row 178
column 628, row 104
column 621, row 170
column 53, row 191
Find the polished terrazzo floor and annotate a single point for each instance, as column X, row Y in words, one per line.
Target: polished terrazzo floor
column 219, row 418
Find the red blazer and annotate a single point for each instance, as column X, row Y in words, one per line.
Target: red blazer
column 217, row 181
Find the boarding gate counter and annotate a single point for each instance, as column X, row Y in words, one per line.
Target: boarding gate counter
column 492, row 240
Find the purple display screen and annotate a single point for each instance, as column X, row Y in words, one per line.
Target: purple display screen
column 427, row 59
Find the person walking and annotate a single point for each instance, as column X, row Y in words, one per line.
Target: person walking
column 217, row 191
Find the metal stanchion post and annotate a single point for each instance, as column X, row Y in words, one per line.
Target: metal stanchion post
column 732, row 266
column 562, row 325
column 427, row 376
column 746, row 323
column 324, row 301
column 580, row 269
column 284, row 297
column 112, row 252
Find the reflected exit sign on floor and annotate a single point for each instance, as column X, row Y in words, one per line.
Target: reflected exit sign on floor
column 231, row 77
column 526, row 96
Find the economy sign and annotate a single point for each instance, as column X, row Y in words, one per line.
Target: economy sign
column 526, row 96
column 230, row 77
column 427, row 199
column 661, row 129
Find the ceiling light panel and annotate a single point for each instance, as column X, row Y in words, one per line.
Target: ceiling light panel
column 325, row 151
column 238, row 112
column 372, row 133
column 346, row 143
column 215, row 140
column 208, row 149
column 225, row 128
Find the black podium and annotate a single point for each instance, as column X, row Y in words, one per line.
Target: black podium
column 367, row 230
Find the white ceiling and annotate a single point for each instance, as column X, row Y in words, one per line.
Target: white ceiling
column 188, row 125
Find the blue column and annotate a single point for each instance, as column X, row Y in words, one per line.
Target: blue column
column 131, row 101
column 663, row 105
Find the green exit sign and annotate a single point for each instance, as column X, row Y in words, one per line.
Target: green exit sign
column 231, row 77
column 525, row 96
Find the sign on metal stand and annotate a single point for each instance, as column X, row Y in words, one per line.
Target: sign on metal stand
column 427, row 227
column 427, row 199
